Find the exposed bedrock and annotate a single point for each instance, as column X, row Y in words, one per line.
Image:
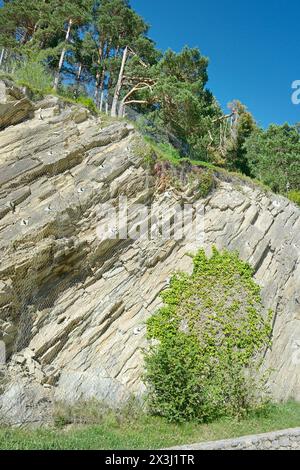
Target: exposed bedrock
column 73, row 306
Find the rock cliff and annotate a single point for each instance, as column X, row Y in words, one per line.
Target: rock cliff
column 73, row 305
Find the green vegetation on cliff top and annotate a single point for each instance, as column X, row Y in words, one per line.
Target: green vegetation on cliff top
column 79, row 51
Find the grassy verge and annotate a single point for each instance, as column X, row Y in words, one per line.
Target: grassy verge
column 145, row 432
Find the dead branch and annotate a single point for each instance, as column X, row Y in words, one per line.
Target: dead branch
column 210, row 136
column 140, row 60
column 222, row 118
column 137, row 101
column 140, row 86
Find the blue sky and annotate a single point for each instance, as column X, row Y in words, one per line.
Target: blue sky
column 253, row 47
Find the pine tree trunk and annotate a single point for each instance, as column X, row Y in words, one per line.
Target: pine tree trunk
column 78, row 77
column 97, row 83
column 119, row 84
column 101, row 101
column 101, row 89
column 2, row 56
column 62, row 56
column 77, row 80
column 98, row 78
column 121, row 109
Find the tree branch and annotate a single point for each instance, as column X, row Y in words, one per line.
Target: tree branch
column 222, row 118
column 139, row 79
column 137, row 101
column 140, row 60
column 140, row 86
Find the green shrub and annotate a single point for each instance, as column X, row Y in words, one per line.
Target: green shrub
column 207, row 341
column 72, row 95
column 88, row 103
column 294, row 196
column 34, row 76
column 206, row 183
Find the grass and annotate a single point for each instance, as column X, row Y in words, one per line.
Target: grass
column 165, row 152
column 294, row 196
column 146, row 432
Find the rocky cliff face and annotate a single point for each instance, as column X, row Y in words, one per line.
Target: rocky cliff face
column 73, row 305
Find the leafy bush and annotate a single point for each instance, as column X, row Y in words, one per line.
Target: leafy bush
column 206, row 183
column 207, row 341
column 34, row 76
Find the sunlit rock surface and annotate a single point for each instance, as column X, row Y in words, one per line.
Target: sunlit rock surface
column 73, row 306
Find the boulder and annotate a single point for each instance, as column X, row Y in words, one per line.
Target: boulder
column 15, row 107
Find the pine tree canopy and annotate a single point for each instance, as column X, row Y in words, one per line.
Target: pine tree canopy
column 102, row 49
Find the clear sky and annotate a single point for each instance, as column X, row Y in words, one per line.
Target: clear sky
column 253, row 47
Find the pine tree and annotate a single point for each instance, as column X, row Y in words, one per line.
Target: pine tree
column 72, row 14
column 243, row 125
column 185, row 107
column 104, row 45
column 19, row 21
column 273, row 156
column 116, row 28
